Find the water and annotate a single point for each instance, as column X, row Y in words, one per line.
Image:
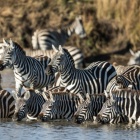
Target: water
column 56, row 130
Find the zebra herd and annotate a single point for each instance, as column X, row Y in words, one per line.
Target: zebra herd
column 58, row 86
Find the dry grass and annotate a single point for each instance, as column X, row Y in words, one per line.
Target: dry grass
column 108, row 23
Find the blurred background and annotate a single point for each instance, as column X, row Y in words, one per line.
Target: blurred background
column 112, row 26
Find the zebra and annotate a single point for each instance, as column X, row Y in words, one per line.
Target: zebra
column 92, row 79
column 89, row 108
column 28, row 105
column 60, row 104
column 135, row 58
column 128, row 75
column 121, row 107
column 44, row 39
column 76, row 53
column 7, row 104
column 28, row 71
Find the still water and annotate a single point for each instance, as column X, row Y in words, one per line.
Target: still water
column 56, row 130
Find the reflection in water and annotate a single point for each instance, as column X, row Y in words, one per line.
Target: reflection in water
column 56, row 130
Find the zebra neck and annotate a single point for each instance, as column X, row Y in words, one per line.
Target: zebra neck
column 68, row 75
column 68, row 71
column 19, row 58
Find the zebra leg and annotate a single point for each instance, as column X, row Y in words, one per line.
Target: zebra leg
column 18, row 89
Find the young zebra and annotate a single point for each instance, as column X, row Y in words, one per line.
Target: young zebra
column 44, row 39
column 92, row 79
column 28, row 105
column 59, row 105
column 89, row 108
column 75, row 52
column 129, row 75
column 121, row 107
column 135, row 58
column 28, row 71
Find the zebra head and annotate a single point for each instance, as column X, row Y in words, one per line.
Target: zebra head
column 21, row 108
column 135, row 58
column 80, row 114
column 47, row 108
column 109, row 110
column 9, row 48
column 62, row 60
column 78, row 27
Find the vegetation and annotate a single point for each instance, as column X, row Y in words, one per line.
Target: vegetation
column 110, row 24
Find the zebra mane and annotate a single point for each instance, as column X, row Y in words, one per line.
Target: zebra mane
column 125, row 93
column 19, row 47
column 69, row 56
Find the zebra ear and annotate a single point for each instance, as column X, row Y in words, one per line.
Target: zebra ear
column 27, row 95
column 44, row 96
column 69, row 87
column 61, row 49
column 14, row 94
column 87, row 97
column 5, row 43
column 51, row 97
column 80, row 97
column 54, row 48
column 132, row 53
column 11, row 43
column 130, row 86
column 112, row 98
column 106, row 94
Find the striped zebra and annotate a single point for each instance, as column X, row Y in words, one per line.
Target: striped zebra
column 93, row 79
column 89, row 108
column 28, row 71
column 7, row 104
column 75, row 52
column 135, row 58
column 44, row 39
column 59, row 105
column 121, row 107
column 129, row 75
column 28, row 105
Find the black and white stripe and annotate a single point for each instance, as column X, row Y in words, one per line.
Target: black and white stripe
column 28, row 105
column 44, row 39
column 75, row 52
column 59, row 105
column 28, row 71
column 89, row 108
column 121, row 107
column 7, row 104
column 93, row 79
column 129, row 75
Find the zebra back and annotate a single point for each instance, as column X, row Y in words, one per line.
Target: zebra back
column 44, row 39
column 75, row 52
